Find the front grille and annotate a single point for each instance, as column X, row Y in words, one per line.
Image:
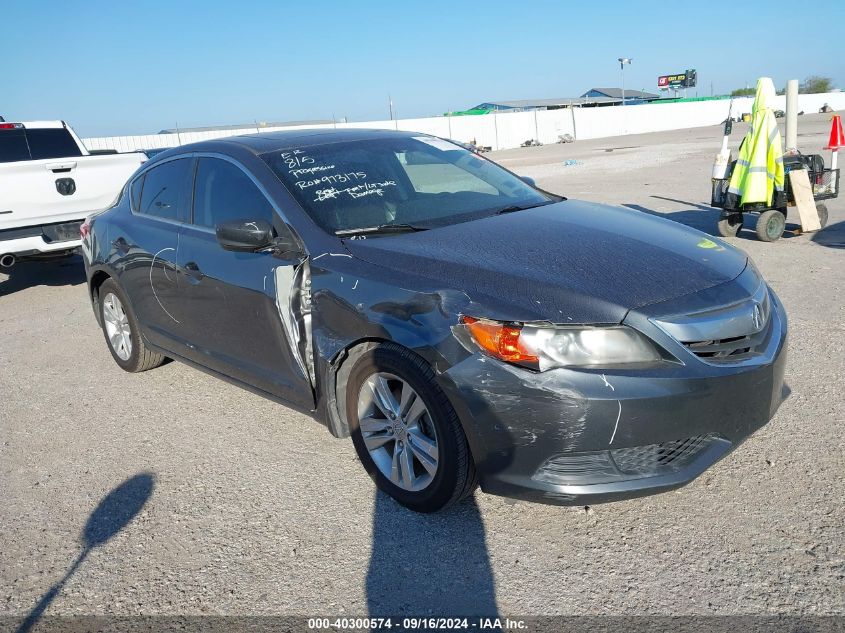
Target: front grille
column 621, row 464
column 726, row 334
column 730, row 349
column 655, row 459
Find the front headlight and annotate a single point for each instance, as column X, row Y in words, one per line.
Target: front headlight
column 542, row 348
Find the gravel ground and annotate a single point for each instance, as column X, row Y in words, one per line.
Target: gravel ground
column 245, row 507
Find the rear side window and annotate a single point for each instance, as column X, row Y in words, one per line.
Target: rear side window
column 51, row 143
column 13, row 146
column 224, row 192
column 165, row 190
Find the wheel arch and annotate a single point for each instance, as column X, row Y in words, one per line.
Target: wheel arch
column 341, row 364
column 337, row 371
column 98, row 278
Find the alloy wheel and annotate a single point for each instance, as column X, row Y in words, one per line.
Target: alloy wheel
column 398, row 432
column 117, row 326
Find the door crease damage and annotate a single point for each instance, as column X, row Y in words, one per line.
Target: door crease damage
column 293, row 300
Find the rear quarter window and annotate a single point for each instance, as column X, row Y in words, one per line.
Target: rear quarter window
column 135, row 192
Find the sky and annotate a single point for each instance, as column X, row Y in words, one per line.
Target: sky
column 114, row 68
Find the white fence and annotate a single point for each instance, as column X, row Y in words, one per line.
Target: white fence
column 505, row 130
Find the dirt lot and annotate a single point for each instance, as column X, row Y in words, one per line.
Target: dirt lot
column 251, row 508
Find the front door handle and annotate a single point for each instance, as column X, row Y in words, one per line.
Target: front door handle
column 192, row 270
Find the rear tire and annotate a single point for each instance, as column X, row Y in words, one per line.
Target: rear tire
column 391, row 436
column 821, row 208
column 770, row 225
column 121, row 331
column 730, row 225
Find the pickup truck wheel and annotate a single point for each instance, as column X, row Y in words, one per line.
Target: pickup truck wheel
column 405, row 431
column 121, row 331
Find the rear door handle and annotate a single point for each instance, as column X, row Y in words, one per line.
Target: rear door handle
column 192, row 270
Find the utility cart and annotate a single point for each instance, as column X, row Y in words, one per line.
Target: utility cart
column 772, row 221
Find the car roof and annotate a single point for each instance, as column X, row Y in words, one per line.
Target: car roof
column 276, row 141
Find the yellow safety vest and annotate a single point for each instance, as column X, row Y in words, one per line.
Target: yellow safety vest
column 758, row 172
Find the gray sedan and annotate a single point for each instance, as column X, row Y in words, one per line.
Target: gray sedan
column 461, row 325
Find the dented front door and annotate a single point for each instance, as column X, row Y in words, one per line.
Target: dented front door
column 231, row 299
column 231, row 306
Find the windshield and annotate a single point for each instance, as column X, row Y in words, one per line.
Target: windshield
column 417, row 182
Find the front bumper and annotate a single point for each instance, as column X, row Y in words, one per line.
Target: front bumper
column 589, row 436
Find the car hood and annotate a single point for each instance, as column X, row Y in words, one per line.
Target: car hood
column 568, row 262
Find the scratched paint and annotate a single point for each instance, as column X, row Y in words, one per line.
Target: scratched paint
column 152, row 285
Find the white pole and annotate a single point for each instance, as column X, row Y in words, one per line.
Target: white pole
column 791, row 115
column 622, row 67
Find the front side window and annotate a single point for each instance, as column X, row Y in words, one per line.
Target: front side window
column 165, row 190
column 420, row 181
column 223, row 193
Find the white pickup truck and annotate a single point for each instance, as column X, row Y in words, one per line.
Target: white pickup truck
column 49, row 183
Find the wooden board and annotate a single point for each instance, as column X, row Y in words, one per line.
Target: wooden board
column 802, row 192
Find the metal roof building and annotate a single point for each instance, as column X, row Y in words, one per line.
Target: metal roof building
column 616, row 93
column 592, row 98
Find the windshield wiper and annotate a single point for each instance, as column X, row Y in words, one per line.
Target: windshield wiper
column 382, row 228
column 521, row 207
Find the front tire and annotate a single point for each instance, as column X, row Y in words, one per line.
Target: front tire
column 770, row 225
column 120, row 328
column 405, row 431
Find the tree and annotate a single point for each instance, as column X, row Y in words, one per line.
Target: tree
column 815, row 84
column 743, row 92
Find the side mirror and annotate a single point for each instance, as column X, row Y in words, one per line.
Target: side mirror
column 256, row 236
column 528, row 180
column 245, row 236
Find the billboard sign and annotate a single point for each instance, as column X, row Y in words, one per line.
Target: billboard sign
column 678, row 80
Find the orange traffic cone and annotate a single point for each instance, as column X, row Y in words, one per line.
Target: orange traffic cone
column 837, row 138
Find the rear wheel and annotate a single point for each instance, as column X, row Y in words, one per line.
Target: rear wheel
column 730, row 225
column 405, row 431
column 821, row 208
column 770, row 225
column 121, row 331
